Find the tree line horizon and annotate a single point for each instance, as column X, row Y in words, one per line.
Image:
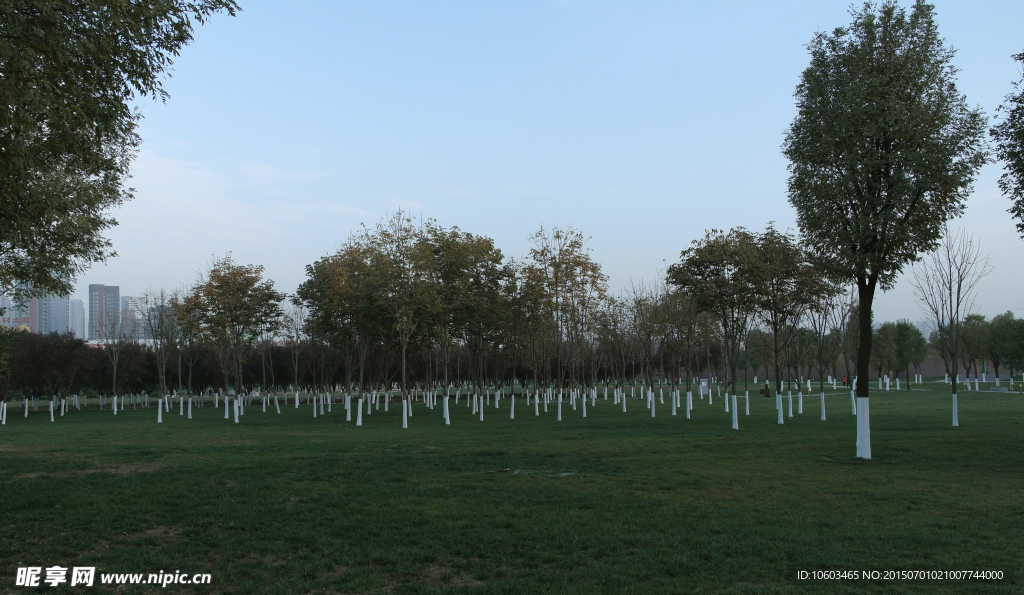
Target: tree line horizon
column 448, row 308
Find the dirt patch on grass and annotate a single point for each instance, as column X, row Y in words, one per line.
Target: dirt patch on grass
column 159, row 532
column 129, row 469
column 10, row 448
column 443, row 574
column 435, row 575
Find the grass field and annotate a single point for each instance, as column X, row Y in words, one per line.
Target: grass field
column 614, row 503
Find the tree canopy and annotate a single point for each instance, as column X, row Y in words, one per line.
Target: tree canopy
column 68, row 72
column 1009, row 137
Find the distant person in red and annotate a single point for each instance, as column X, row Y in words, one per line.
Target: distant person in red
column 844, row 381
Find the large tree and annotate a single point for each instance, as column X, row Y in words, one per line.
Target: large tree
column 787, row 285
column 883, row 152
column 235, row 303
column 719, row 271
column 69, row 71
column 573, row 286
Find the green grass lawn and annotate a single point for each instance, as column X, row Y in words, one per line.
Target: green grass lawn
column 614, row 503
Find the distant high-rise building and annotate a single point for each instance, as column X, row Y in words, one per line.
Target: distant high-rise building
column 104, row 308
column 76, row 318
column 51, row 313
column 132, row 327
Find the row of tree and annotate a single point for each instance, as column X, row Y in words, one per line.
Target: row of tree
column 415, row 303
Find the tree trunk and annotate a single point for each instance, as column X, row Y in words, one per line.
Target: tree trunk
column 866, row 294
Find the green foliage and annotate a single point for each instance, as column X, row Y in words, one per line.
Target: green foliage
column 1006, row 344
column 896, row 346
column 68, row 71
column 911, row 346
column 884, row 149
column 234, row 305
column 975, row 341
column 720, row 273
column 1009, row 137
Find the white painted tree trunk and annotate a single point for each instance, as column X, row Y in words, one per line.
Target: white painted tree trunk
column 227, row 413
column 853, row 403
column 956, row 413
column 800, row 402
column 190, row 408
column 584, row 407
column 348, row 407
column 863, row 429
column 790, row 396
column 735, row 413
column 652, row 404
column 778, row 406
column 512, row 407
column 481, row 408
column 238, row 405
column 277, row 405
column 359, row 413
column 727, row 403
column 746, row 397
column 405, row 414
column 689, row 403
column 822, row 406
column 447, row 415
column 559, row 406
column 160, row 412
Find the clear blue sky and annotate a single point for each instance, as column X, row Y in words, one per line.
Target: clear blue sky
column 640, row 123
